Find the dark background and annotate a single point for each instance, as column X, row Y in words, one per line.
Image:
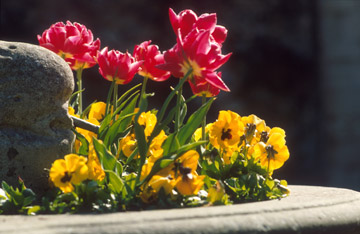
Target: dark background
column 274, row 71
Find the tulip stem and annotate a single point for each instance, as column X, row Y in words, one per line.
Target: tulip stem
column 79, row 86
column 115, row 96
column 178, row 109
column 171, row 95
column 143, row 91
column 203, row 101
column 108, row 100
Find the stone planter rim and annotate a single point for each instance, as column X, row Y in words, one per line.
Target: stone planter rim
column 309, row 209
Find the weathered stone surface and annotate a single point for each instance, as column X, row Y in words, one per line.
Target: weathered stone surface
column 35, row 85
column 307, row 210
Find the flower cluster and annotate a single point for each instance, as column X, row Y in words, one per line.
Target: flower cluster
column 250, row 136
column 137, row 158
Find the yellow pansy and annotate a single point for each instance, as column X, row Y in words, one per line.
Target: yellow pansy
column 64, row 173
column 95, row 170
column 155, row 150
column 216, row 193
column 226, row 130
column 254, row 126
column 273, row 153
column 71, row 112
column 128, row 144
column 188, row 182
column 157, row 182
column 97, row 111
column 148, row 121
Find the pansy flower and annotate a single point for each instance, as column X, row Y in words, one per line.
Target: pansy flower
column 226, row 131
column 188, row 182
column 71, row 170
column 273, row 153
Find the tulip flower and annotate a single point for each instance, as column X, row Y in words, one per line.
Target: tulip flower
column 151, row 56
column 186, row 20
column 73, row 42
column 196, row 52
column 114, row 65
column 204, row 89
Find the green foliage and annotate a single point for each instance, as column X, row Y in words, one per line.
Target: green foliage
column 17, row 200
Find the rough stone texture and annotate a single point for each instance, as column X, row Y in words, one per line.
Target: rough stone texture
column 307, row 210
column 35, row 85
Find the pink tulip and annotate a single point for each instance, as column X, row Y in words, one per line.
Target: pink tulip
column 151, row 56
column 73, row 42
column 114, row 65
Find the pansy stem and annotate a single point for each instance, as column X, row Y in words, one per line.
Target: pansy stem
column 79, row 86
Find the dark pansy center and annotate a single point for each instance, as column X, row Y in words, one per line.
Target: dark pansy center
column 226, row 134
column 250, row 129
column 66, row 178
column 271, row 152
column 264, row 136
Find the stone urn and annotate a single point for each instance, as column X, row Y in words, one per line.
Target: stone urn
column 308, row 209
column 35, row 129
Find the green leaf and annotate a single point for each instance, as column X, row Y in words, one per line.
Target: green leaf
column 117, row 130
column 107, row 160
column 33, row 210
column 184, row 148
column 29, row 197
column 193, row 123
column 130, row 182
column 165, row 162
column 116, row 184
column 171, row 96
column 84, row 148
column 141, row 140
column 106, row 123
column 122, row 123
column 171, row 144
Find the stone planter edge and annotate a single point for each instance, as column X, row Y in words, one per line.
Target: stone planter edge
column 309, row 209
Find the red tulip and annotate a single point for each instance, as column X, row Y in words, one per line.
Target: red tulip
column 73, row 42
column 197, row 52
column 114, row 65
column 186, row 20
column 151, row 56
column 205, row 88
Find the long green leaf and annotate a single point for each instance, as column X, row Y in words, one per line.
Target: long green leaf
column 171, row 96
column 107, row 160
column 171, row 144
column 84, row 148
column 116, row 184
column 193, row 123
